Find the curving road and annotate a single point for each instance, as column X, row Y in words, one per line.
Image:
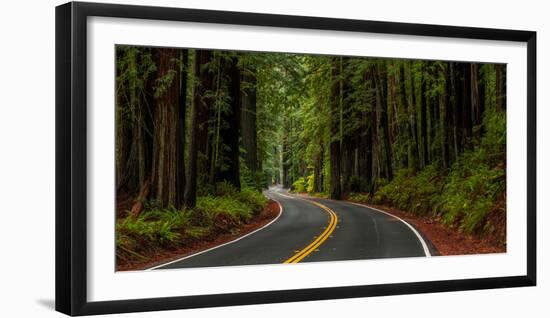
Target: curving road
column 312, row 230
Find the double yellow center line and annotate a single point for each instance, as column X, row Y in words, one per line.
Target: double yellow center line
column 320, row 239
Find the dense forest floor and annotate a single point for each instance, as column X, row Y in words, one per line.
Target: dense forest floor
column 219, row 235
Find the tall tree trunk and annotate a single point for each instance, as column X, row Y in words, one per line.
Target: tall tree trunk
column 375, row 134
column 404, row 121
column 369, row 153
column 412, row 102
column 381, row 89
column 335, row 131
column 500, row 90
column 230, row 171
column 347, row 146
column 423, row 118
column 435, row 117
column 165, row 140
column 285, row 163
column 362, row 151
column 248, row 119
column 451, row 111
column 482, row 90
column 476, row 107
column 365, row 138
column 347, row 150
column 443, row 119
column 180, row 142
column 317, row 170
column 458, row 109
column 199, row 123
column 123, row 130
column 137, row 156
column 467, row 106
column 215, row 145
column 392, row 108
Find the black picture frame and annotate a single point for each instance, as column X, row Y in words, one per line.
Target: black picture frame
column 71, row 157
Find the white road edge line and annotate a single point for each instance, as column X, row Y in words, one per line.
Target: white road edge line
column 224, row 244
column 422, row 242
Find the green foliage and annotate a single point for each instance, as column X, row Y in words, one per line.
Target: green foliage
column 322, row 195
column 471, row 191
column 254, row 200
column 280, row 88
column 227, row 201
column 494, row 140
column 310, row 183
column 162, row 83
column 299, row 186
column 410, row 191
column 477, row 179
column 227, row 206
column 225, row 189
column 155, row 228
column 152, row 229
column 466, row 194
column 360, row 197
column 253, row 179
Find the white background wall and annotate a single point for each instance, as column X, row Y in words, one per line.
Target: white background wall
column 27, row 158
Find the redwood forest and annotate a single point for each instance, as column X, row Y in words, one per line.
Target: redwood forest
column 203, row 135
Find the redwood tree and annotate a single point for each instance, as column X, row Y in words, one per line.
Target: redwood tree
column 166, row 133
column 335, row 143
column 248, row 119
column 229, row 171
column 199, row 124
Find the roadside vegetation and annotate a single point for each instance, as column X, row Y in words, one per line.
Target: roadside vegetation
column 469, row 197
column 158, row 229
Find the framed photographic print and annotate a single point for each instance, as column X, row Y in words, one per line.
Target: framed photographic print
column 208, row 158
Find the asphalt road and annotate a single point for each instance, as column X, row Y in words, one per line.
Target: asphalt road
column 312, row 230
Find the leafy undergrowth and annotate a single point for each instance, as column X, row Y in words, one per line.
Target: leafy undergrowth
column 470, row 196
column 155, row 229
column 300, row 185
column 306, row 185
column 321, row 195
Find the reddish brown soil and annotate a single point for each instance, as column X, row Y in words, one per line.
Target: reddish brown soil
column 448, row 241
column 270, row 212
